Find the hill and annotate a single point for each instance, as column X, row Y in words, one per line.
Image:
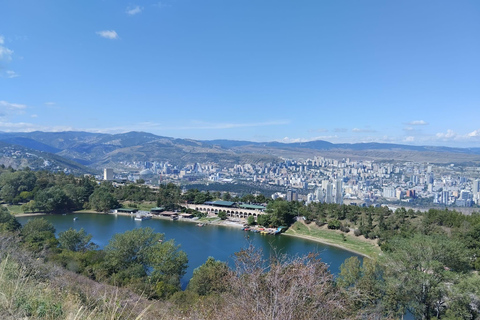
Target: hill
column 99, row 150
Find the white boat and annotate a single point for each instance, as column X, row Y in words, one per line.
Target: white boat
column 141, row 218
column 75, row 219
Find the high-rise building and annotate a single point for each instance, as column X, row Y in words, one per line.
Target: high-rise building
column 107, row 174
column 329, row 193
column 445, row 197
column 319, row 197
column 389, row 192
column 476, row 186
column 338, row 191
column 292, row 195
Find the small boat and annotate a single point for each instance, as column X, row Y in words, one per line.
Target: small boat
column 75, row 219
column 141, row 218
column 200, row 224
column 246, row 229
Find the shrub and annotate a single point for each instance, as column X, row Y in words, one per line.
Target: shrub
column 334, row 224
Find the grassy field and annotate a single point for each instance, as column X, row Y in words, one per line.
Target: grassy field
column 15, row 209
column 336, row 238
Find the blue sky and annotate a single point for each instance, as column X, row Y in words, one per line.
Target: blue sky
column 341, row 71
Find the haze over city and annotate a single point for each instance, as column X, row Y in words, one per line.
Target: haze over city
column 352, row 71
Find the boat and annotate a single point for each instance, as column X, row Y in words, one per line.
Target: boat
column 246, row 229
column 75, row 219
column 200, row 224
column 141, row 218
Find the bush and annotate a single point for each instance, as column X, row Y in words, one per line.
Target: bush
column 357, row 232
column 334, row 224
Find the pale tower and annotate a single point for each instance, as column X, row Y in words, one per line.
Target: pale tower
column 107, row 174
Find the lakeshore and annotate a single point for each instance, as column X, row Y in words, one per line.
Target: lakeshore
column 363, row 247
column 346, row 241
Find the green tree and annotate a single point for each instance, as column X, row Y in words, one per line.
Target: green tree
column 222, row 215
column 53, row 199
column 350, row 272
column 74, row 240
column 281, row 213
column 7, row 221
column 227, row 196
column 210, row 277
column 39, row 234
column 102, row 200
column 263, row 220
column 169, row 265
column 142, row 254
column 251, row 220
column 418, row 269
column 249, row 198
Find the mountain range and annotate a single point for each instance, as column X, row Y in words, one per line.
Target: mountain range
column 86, row 151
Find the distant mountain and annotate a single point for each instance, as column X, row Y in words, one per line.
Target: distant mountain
column 99, row 150
column 325, row 145
column 18, row 156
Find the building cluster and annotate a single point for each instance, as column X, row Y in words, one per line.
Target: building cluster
column 333, row 181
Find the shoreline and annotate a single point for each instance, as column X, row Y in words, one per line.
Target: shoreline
column 221, row 223
column 326, row 242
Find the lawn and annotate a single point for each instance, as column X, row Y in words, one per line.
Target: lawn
column 347, row 241
column 15, row 209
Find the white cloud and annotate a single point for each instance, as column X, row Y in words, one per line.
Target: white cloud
column 108, row 34
column 417, row 123
column 11, row 74
column 450, row 134
column 409, row 139
column 134, row 11
column 162, row 4
column 294, row 140
column 29, row 127
column 11, row 106
column 7, row 109
column 34, row 116
column 475, row 133
column 5, row 53
column 362, row 130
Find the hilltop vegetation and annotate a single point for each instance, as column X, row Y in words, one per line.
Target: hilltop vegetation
column 427, row 265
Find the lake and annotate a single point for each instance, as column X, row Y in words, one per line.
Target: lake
column 220, row 242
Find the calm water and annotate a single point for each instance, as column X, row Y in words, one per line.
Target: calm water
column 198, row 242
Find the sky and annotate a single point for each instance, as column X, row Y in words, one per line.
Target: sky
column 261, row 70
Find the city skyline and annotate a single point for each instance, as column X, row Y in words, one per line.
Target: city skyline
column 346, row 72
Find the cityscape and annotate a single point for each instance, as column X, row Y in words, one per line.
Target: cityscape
column 328, row 180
